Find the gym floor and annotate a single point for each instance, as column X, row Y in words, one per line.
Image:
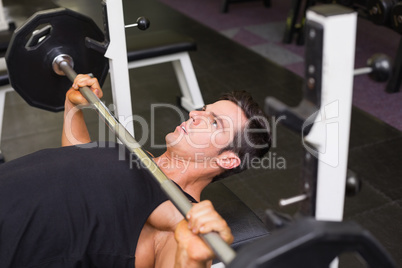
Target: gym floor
column 222, row 65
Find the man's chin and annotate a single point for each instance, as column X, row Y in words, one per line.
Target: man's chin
column 171, row 142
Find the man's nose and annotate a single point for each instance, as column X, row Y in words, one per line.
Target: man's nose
column 197, row 117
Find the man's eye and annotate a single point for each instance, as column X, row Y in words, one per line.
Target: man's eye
column 215, row 123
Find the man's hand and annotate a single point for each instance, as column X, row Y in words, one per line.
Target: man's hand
column 201, row 219
column 74, row 128
column 74, row 96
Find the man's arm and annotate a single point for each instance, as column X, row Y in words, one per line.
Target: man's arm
column 191, row 251
column 74, row 128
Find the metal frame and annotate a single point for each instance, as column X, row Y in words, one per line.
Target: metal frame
column 192, row 98
column 330, row 131
column 3, row 92
column 117, row 54
column 3, row 22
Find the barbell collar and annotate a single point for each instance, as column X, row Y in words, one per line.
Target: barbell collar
column 58, row 60
column 222, row 250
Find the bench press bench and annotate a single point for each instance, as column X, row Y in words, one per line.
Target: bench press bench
column 246, row 226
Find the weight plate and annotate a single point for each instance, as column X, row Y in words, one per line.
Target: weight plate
column 38, row 41
column 379, row 11
column 397, row 17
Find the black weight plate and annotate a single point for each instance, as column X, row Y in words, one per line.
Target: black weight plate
column 397, row 17
column 30, row 68
column 379, row 11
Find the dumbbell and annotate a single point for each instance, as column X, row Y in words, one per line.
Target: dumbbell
column 378, row 68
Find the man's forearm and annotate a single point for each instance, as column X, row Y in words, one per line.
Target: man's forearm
column 75, row 130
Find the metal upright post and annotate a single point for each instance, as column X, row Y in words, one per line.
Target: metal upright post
column 3, row 22
column 119, row 73
column 328, row 138
column 330, row 131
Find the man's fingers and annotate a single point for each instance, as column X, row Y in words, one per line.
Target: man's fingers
column 199, row 208
column 200, row 213
column 87, row 81
column 202, row 218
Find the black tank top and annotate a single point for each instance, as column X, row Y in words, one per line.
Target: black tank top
column 74, row 207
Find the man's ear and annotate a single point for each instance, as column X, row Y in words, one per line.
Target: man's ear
column 228, row 160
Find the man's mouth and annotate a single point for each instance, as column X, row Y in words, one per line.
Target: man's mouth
column 184, row 129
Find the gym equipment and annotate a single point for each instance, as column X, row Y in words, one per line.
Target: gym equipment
column 50, row 49
column 142, row 23
column 294, row 25
column 6, row 30
column 147, row 49
column 4, row 88
column 396, row 17
column 382, row 12
column 379, row 11
column 168, row 46
column 246, row 226
column 395, row 82
column 40, row 40
column 62, row 63
column 353, row 184
column 378, row 68
column 313, row 244
column 324, row 111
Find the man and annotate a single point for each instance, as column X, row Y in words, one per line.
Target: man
column 81, row 207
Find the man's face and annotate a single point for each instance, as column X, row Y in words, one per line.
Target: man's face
column 207, row 131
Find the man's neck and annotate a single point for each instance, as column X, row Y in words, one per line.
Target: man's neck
column 192, row 177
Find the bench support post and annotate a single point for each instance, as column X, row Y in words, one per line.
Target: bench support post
column 191, row 99
column 191, row 95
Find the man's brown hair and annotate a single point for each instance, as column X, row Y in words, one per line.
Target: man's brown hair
column 254, row 141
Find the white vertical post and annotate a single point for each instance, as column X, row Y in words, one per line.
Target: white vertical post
column 3, row 22
column 330, row 132
column 192, row 98
column 117, row 54
column 3, row 93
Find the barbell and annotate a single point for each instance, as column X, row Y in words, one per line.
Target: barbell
column 42, row 57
